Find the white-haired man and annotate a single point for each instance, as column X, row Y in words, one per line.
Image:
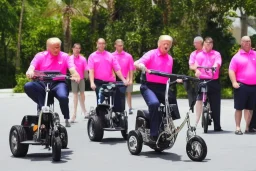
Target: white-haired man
column 198, row 44
column 51, row 60
column 153, row 90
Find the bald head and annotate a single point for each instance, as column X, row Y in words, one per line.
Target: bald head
column 119, row 45
column 101, row 43
column 246, row 43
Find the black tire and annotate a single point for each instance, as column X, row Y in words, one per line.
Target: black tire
column 159, row 150
column 94, row 128
column 56, row 148
column 64, row 136
column 16, row 136
column 194, row 155
column 205, row 118
column 125, row 132
column 135, row 140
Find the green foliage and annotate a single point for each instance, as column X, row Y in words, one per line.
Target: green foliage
column 21, row 80
column 137, row 22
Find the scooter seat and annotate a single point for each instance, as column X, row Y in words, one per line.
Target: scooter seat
column 143, row 114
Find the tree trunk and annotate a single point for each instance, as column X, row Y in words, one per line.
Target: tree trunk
column 111, row 8
column 17, row 62
column 94, row 17
column 244, row 25
column 67, row 33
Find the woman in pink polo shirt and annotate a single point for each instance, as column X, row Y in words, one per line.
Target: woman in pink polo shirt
column 81, row 67
column 102, row 65
column 153, row 90
column 242, row 71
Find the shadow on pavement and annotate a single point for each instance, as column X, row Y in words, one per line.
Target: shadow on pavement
column 48, row 156
column 221, row 132
column 162, row 155
column 112, row 141
column 205, row 160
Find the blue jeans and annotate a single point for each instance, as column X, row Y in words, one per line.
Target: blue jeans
column 154, row 94
column 119, row 96
column 36, row 91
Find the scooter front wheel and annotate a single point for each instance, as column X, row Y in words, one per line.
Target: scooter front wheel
column 196, row 148
column 135, row 142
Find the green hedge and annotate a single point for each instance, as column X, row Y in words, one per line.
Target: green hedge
column 226, row 93
column 21, row 80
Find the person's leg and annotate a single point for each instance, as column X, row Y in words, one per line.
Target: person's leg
column 74, row 88
column 82, row 97
column 129, row 98
column 215, row 103
column 240, row 98
column 253, row 120
column 249, row 109
column 60, row 91
column 36, row 91
column 238, row 117
column 98, row 94
column 119, row 99
column 153, row 104
column 199, row 111
column 247, row 118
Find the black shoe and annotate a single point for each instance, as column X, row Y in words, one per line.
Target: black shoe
column 250, row 131
column 218, row 130
column 210, row 122
column 152, row 139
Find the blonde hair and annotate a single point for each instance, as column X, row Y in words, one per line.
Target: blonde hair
column 164, row 37
column 53, row 40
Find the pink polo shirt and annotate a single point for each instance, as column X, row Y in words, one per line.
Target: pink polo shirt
column 154, row 60
column 125, row 61
column 208, row 59
column 192, row 57
column 44, row 61
column 104, row 64
column 244, row 65
column 80, row 64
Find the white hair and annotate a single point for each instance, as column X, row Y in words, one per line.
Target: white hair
column 198, row 38
column 53, row 40
column 245, row 38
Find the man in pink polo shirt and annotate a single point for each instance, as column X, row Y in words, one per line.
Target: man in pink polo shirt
column 125, row 61
column 153, row 90
column 242, row 71
column 102, row 65
column 81, row 67
column 51, row 60
column 209, row 58
column 198, row 44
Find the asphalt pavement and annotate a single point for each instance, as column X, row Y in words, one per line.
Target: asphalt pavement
column 226, row 151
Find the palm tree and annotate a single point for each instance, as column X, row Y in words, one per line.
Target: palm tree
column 68, row 9
column 17, row 62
